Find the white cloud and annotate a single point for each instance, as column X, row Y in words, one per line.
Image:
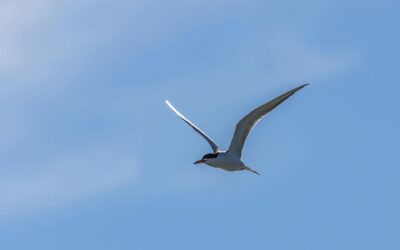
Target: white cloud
column 19, row 21
column 41, row 40
column 294, row 57
column 64, row 179
column 37, row 34
column 284, row 55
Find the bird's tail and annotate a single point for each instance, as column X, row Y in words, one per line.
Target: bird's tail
column 252, row 170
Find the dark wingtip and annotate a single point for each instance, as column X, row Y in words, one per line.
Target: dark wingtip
column 305, row 84
column 299, row 87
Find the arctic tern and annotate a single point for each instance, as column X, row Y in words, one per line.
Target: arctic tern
column 230, row 160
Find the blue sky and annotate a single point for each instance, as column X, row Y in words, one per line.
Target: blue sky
column 91, row 158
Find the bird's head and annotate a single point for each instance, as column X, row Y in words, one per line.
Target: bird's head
column 206, row 158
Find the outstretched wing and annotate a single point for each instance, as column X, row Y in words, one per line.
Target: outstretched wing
column 245, row 125
column 205, row 136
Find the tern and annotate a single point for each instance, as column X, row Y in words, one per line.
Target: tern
column 230, row 160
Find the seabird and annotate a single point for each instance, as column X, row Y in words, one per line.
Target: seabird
column 230, row 160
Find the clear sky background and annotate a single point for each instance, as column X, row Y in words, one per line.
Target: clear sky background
column 91, row 157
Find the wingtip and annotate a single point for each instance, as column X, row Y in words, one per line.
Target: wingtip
column 305, row 84
column 168, row 103
column 173, row 108
column 300, row 87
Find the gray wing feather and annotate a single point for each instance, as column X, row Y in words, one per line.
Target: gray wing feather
column 204, row 135
column 245, row 125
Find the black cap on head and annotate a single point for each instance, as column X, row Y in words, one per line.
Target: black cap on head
column 208, row 156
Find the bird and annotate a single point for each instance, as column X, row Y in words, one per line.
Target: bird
column 231, row 159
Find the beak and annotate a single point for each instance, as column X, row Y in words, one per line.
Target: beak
column 199, row 161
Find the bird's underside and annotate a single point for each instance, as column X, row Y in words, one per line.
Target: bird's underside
column 230, row 160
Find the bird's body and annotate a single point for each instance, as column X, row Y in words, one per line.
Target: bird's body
column 230, row 160
column 226, row 161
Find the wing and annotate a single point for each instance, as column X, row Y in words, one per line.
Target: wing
column 245, row 125
column 210, row 141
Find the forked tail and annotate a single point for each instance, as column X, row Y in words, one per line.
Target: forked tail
column 252, row 170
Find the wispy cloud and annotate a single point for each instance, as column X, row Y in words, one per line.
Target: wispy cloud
column 298, row 59
column 43, row 41
column 18, row 20
column 38, row 47
column 63, row 179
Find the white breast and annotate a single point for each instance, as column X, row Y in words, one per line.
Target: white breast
column 226, row 161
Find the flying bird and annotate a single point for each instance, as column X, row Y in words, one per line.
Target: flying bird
column 230, row 160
